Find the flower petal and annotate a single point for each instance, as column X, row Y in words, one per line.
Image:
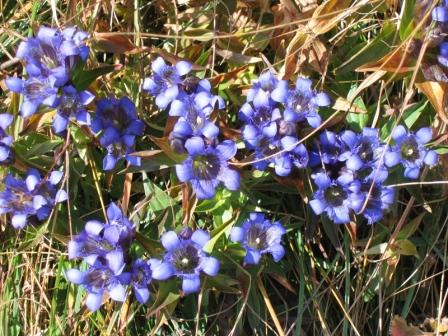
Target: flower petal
column 195, row 146
column 227, row 149
column 424, row 135
column 237, row 234
column 94, row 301
column 117, row 293
column 161, row 270
column 252, row 257
column 74, row 275
column 210, row 266
column 230, row 178
column 141, row 294
column 18, row 221
column 191, row 284
column 200, row 237
column 170, row 240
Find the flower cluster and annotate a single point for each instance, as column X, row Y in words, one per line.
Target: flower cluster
column 355, row 166
column 259, row 236
column 6, row 152
column 50, row 58
column 271, row 117
column 32, row 198
column 190, row 100
column 118, row 121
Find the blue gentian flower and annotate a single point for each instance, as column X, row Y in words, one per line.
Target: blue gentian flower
column 330, row 147
column 207, row 165
column 364, row 150
column 6, row 152
column 32, row 197
column 118, row 120
column 261, row 122
column 301, row 103
column 336, row 197
column 259, row 236
column 264, row 85
column 410, row 151
column 104, row 242
column 71, row 104
column 164, row 84
column 99, row 280
column 141, row 276
column 440, row 13
column 36, row 91
column 53, row 53
column 185, row 259
column 442, row 57
column 293, row 155
column 379, row 199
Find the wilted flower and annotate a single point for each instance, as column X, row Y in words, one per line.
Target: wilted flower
column 53, row 53
column 259, row 236
column 302, row 102
column 36, row 91
column 99, row 280
column 6, row 153
column 336, row 197
column 207, row 165
column 410, row 151
column 186, row 259
column 164, row 84
column 33, row 196
column 72, row 104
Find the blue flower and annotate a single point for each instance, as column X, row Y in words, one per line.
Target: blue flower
column 53, row 53
column 264, row 86
column 261, row 122
column 336, row 197
column 410, row 151
column 364, row 150
column 302, row 102
column 31, row 197
column 118, row 120
column 376, row 199
column 293, row 155
column 6, row 152
column 72, row 104
column 104, row 242
column 185, row 259
column 99, row 280
column 259, row 236
column 141, row 276
column 36, row 91
column 164, row 84
column 207, row 165
column 329, row 149
column 440, row 13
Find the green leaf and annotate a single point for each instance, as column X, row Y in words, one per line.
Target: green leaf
column 411, row 227
column 406, row 23
column 406, row 247
column 412, row 113
column 83, row 78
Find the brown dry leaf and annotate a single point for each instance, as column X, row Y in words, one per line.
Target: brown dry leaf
column 126, row 192
column 283, row 281
column 147, row 154
column 318, row 56
column 371, row 79
column 328, row 15
column 164, row 145
column 173, row 59
column 396, row 61
column 113, row 43
column 399, row 327
column 298, row 43
column 437, row 94
column 227, row 76
column 342, row 104
column 237, row 57
column 37, row 120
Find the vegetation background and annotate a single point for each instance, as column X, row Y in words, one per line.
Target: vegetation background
column 334, row 280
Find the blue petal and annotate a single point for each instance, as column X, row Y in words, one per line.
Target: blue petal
column 28, row 108
column 59, row 123
column 76, row 276
column 318, row 206
column 391, row 158
column 204, row 189
column 202, row 99
column 290, row 115
column 354, row 163
column 210, row 130
column 283, row 165
column 237, row 234
column 431, row 158
column 412, row 172
column 191, row 284
column 246, row 112
column 227, row 149
column 74, row 249
column 18, row 221
column 4, row 152
column 115, row 261
column 5, row 120
column 141, row 294
column 322, row 99
column 39, row 201
column 109, row 136
column 261, row 99
column 303, row 85
column 56, row 177
column 314, row 120
column 14, row 84
column 177, row 109
column 210, row 266
column 183, row 128
column 112, row 234
column 230, row 178
column 94, row 228
column 117, row 293
column 271, row 130
column 277, row 251
column 109, row 162
column 349, row 137
column 169, row 240
column 257, row 217
column 158, row 65
column 134, row 160
column 161, row 270
column 424, row 135
column 114, row 212
column 399, row 132
column 200, row 237
column 279, row 94
column 252, row 257
column 440, row 14
column 184, row 171
column 341, row 215
column 289, row 142
column 195, row 146
column 322, row 180
column 183, row 67
column 94, row 300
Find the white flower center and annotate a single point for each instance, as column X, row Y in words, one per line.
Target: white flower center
column 185, row 261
